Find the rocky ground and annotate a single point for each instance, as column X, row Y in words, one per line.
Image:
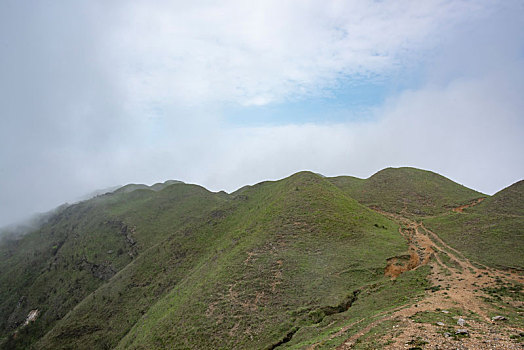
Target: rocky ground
column 470, row 306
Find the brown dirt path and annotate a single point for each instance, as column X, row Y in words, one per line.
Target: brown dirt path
column 461, row 208
column 459, row 286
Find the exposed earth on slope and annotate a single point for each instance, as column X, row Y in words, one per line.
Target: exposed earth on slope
column 461, row 208
column 406, row 259
column 461, row 311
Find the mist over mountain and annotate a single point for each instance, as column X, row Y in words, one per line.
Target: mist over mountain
column 96, row 94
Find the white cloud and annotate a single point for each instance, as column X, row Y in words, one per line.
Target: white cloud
column 100, row 94
column 255, row 53
column 467, row 130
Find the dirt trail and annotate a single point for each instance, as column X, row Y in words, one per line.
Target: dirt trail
column 461, row 208
column 458, row 285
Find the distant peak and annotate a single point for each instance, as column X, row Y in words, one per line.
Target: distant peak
column 156, row 187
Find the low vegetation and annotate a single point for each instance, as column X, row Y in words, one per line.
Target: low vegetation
column 489, row 232
column 293, row 263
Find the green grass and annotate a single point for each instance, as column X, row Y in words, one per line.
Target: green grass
column 490, row 232
column 311, row 246
column 374, row 301
column 80, row 248
column 506, row 299
column 286, row 263
column 408, row 191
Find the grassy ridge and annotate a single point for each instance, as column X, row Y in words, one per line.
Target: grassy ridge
column 407, row 191
column 45, row 270
column 295, row 247
column 285, row 263
column 490, row 232
column 509, row 201
column 373, row 300
column 81, row 248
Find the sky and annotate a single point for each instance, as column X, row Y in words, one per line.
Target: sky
column 95, row 94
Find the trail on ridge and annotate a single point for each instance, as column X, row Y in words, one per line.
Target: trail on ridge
column 459, row 285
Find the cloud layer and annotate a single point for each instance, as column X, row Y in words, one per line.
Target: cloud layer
column 98, row 94
column 262, row 52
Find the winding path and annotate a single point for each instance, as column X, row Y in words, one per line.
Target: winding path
column 460, row 287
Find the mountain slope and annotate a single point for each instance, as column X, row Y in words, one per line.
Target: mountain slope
column 306, row 261
column 281, row 248
column 82, row 247
column 408, row 191
column 509, row 201
column 490, row 232
column 487, row 229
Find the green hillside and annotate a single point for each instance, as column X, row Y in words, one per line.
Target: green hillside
column 490, row 232
column 509, row 201
column 82, row 247
column 156, row 187
column 407, row 191
column 296, row 248
column 277, row 256
column 289, row 263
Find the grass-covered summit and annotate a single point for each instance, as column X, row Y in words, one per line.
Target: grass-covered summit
column 286, row 263
column 408, row 191
column 509, row 201
column 491, row 232
column 82, row 247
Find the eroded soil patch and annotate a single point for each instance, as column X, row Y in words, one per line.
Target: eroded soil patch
column 475, row 293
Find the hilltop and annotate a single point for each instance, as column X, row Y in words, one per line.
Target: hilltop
column 408, row 191
column 306, row 261
column 490, row 231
